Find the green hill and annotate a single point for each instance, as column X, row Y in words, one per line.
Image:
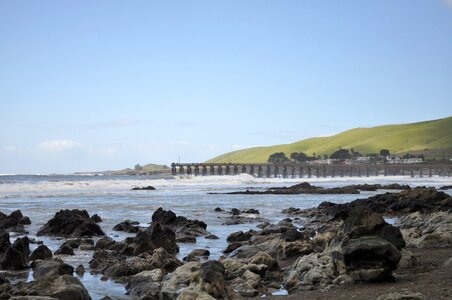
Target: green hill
column 431, row 138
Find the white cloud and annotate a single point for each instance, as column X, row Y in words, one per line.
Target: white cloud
column 59, row 145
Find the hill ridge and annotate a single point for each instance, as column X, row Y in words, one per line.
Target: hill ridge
column 433, row 138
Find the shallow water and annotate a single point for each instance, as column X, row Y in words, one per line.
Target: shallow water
column 40, row 197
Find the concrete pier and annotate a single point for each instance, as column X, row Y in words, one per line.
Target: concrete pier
column 302, row 170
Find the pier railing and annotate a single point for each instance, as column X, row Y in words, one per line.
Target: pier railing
column 300, row 170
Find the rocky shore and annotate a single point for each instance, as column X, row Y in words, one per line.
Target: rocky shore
column 348, row 250
column 307, row 188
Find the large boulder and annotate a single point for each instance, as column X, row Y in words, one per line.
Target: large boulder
column 179, row 224
column 112, row 265
column 127, row 226
column 16, row 256
column 146, row 284
column 63, row 287
column 366, row 247
column 50, row 267
column 41, row 252
column 71, row 223
column 13, row 221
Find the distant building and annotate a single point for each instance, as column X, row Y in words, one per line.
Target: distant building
column 400, row 160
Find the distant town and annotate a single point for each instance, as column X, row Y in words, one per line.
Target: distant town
column 345, row 156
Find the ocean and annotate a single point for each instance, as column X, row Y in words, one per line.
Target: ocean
column 41, row 196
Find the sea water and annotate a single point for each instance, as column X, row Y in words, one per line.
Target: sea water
column 41, row 196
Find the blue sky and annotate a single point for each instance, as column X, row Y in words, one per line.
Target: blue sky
column 95, row 85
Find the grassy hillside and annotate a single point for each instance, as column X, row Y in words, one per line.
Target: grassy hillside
column 422, row 137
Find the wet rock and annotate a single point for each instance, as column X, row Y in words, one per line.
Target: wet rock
column 144, row 188
column 127, row 226
column 251, row 211
column 445, row 187
column 14, row 221
column 218, row 209
column 302, row 188
column 197, row 255
column 155, row 237
column 240, row 236
column 146, row 284
column 63, row 287
column 41, row 252
column 80, row 270
column 50, row 267
column 211, row 237
column 235, row 212
column 96, row 218
column 187, row 239
column 65, row 250
column 74, row 223
column 179, row 224
column 16, row 256
column 104, row 243
column 231, row 247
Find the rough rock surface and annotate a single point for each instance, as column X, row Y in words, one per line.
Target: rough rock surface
column 14, row 221
column 14, row 256
column 71, row 223
column 41, row 252
column 127, row 226
column 182, row 226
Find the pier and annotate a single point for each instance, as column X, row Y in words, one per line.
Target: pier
column 302, row 170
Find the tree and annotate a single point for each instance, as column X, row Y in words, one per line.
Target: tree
column 384, row 152
column 299, row 156
column 138, row 167
column 278, row 157
column 341, row 154
column 325, row 156
column 355, row 154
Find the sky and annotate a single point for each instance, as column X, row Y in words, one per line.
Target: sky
column 104, row 85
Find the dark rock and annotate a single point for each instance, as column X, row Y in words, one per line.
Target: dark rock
column 50, row 267
column 302, row 188
column 14, row 221
column 366, row 247
column 145, row 188
column 218, row 209
column 211, row 237
column 164, row 217
column 104, row 243
column 179, row 224
column 96, row 218
column 76, row 223
column 196, row 254
column 231, row 247
column 127, row 226
column 187, row 239
column 235, row 212
column 65, row 250
column 251, row 211
column 240, row 236
column 80, row 270
column 42, row 252
column 445, row 187
column 152, row 238
column 213, row 273
column 16, row 256
column 292, row 235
